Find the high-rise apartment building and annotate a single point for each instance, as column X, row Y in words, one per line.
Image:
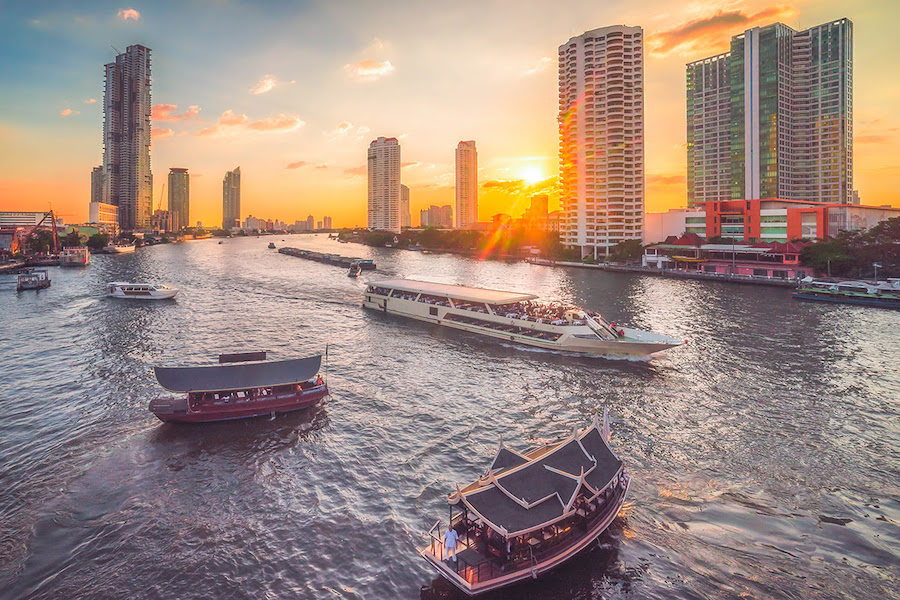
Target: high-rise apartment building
column 384, row 185
column 466, row 185
column 179, row 198
column 601, row 138
column 127, row 180
column 773, row 116
column 97, row 184
column 231, row 199
column 405, row 216
column 436, row 216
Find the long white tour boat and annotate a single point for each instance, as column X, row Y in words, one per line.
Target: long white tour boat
column 119, row 248
column 140, row 291
column 512, row 316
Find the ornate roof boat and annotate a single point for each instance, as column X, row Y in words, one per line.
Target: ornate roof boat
column 238, row 391
column 530, row 512
column 512, row 316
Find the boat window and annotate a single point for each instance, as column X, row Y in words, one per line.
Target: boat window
column 433, row 311
column 436, row 300
column 382, row 291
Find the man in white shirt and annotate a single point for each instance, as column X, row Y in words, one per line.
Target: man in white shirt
column 451, row 538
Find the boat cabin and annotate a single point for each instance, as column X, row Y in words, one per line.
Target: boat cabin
column 530, row 512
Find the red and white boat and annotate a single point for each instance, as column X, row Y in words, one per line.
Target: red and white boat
column 238, row 391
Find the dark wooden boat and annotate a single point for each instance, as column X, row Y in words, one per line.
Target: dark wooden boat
column 238, row 391
column 530, row 512
column 33, row 279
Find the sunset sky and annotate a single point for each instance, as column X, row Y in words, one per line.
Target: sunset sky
column 293, row 92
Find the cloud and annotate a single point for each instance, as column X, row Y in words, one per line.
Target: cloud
column 322, row 166
column 296, row 165
column 267, row 84
column 709, row 34
column 875, row 131
column 346, row 129
column 368, row 70
column 409, row 163
column 520, row 186
column 360, row 170
column 158, row 133
column 166, row 112
column 129, row 13
column 66, row 112
column 658, row 179
column 542, row 65
column 231, row 122
column 90, row 101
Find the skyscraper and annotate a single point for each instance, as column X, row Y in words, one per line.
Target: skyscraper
column 231, row 199
column 97, row 184
column 405, row 216
column 384, row 185
column 179, row 198
column 601, row 138
column 128, row 182
column 466, row 185
column 773, row 117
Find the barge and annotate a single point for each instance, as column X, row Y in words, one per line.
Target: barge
column 330, row 259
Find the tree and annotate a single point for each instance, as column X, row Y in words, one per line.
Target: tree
column 72, row 239
column 98, row 241
column 627, row 250
column 40, row 241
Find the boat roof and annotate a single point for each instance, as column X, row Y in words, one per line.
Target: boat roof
column 223, row 378
column 525, row 492
column 470, row 294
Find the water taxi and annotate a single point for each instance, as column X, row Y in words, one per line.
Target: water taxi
column 119, row 248
column 75, row 257
column 880, row 294
column 140, row 291
column 354, row 270
column 512, row 316
column 238, row 391
column 33, row 279
column 271, row 245
column 530, row 512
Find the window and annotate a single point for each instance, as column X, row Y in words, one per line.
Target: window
column 432, row 310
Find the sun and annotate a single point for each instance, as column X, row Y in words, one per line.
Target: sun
column 532, row 175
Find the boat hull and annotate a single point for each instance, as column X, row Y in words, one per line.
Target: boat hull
column 524, row 574
column 854, row 300
column 176, row 410
column 635, row 343
column 155, row 295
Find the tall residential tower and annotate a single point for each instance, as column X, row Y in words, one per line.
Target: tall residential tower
column 405, row 216
column 466, row 185
column 127, row 181
column 773, row 117
column 384, row 185
column 179, row 198
column 231, row 199
column 601, row 138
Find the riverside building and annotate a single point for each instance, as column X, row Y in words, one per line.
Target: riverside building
column 773, row 117
column 179, row 198
column 466, row 185
column 231, row 199
column 384, row 185
column 405, row 216
column 127, row 180
column 601, row 138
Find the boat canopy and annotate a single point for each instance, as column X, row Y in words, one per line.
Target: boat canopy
column 458, row 292
column 523, row 493
column 238, row 377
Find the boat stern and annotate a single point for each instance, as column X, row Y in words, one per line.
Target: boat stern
column 169, row 409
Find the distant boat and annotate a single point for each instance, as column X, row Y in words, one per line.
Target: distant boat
column 75, row 257
column 119, row 248
column 355, row 270
column 140, row 291
column 252, row 389
column 272, row 245
column 220, row 241
column 33, row 280
column 881, row 294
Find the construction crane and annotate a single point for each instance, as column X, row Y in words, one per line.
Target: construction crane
column 55, row 240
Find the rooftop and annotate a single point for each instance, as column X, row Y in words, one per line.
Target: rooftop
column 461, row 292
column 239, row 376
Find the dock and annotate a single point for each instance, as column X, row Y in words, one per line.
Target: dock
column 329, row 259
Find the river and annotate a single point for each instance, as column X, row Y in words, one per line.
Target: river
column 765, row 453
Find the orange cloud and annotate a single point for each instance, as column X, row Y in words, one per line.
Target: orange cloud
column 90, row 101
column 710, row 34
column 267, row 84
column 368, row 70
column 129, row 13
column 166, row 112
column 296, row 165
column 231, row 122
column 658, row 179
column 361, row 170
column 158, row 133
column 66, row 112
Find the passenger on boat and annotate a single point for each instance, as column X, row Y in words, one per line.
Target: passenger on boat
column 319, row 380
column 451, row 538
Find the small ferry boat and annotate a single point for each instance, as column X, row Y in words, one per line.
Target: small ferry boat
column 512, row 316
column 34, row 279
column 140, row 291
column 272, row 245
column 119, row 248
column 238, row 391
column 75, row 257
column 355, row 270
column 880, row 294
column 530, row 512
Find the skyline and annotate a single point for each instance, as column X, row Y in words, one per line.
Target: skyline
column 298, row 116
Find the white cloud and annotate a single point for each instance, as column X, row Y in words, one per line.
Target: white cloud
column 368, row 70
column 541, row 65
column 128, row 13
